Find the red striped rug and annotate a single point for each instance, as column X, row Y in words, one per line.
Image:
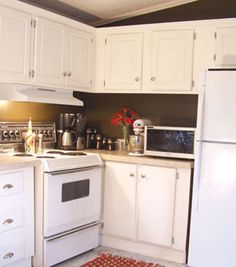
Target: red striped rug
column 108, row 260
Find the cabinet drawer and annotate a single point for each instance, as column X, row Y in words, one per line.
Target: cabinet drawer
column 11, row 183
column 11, row 217
column 12, row 252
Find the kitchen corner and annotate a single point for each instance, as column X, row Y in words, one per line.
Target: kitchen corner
column 119, row 137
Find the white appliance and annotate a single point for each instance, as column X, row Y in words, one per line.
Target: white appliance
column 213, row 217
column 68, row 206
column 67, row 195
column 171, row 142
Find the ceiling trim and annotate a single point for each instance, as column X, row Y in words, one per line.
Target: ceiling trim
column 143, row 11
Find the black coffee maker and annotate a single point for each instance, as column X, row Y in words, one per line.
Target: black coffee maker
column 66, row 134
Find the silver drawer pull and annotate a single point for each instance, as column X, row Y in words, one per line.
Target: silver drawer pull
column 7, row 186
column 137, row 79
column 8, row 256
column 8, row 221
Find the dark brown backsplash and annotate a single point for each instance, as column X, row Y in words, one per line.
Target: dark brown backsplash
column 166, row 110
column 169, row 110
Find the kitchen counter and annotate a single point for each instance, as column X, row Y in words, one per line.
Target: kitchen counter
column 8, row 162
column 125, row 157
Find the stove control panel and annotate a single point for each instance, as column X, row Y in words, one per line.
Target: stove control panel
column 14, row 132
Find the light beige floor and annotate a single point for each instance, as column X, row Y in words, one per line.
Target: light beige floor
column 85, row 257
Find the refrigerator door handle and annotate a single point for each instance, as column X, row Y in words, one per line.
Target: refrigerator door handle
column 197, row 175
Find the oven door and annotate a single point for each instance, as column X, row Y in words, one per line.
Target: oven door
column 72, row 198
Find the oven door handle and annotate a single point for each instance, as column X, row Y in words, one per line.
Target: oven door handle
column 73, row 170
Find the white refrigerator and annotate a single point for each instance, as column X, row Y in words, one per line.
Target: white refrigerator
column 213, row 217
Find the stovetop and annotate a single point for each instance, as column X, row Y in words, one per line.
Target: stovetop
column 59, row 160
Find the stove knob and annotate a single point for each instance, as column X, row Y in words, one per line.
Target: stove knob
column 49, row 133
column 17, row 134
column 11, row 134
column 5, row 134
column 45, row 133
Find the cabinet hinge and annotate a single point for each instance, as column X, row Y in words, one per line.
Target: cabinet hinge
column 215, row 35
column 33, row 23
column 172, row 240
column 105, row 40
column 194, row 36
column 104, row 83
column 193, row 83
column 214, row 58
column 177, row 175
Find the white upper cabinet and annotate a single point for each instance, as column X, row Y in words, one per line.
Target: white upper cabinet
column 79, row 58
column 171, row 60
column 123, row 62
column 63, row 55
column 50, row 52
column 15, row 36
column 225, row 47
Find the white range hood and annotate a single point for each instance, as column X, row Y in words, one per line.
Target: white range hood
column 26, row 93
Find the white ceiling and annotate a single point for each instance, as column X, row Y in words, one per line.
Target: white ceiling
column 111, row 10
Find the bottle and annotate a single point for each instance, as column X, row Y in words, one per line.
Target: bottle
column 98, row 141
column 30, row 138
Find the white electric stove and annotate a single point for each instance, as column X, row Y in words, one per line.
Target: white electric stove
column 67, row 196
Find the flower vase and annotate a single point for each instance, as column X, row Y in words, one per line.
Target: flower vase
column 126, row 133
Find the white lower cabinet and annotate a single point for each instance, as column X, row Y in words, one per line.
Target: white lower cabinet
column 120, row 199
column 16, row 217
column 146, row 209
column 156, row 200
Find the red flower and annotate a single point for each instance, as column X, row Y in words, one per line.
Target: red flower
column 129, row 121
column 124, row 117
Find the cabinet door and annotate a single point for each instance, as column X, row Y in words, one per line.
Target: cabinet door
column 49, row 52
column 225, row 47
column 119, row 199
column 171, row 60
column 156, row 201
column 15, row 33
column 124, row 54
column 79, row 59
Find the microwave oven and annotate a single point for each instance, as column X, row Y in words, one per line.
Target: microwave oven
column 173, row 142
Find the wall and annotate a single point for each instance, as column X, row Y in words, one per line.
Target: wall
column 21, row 111
column 172, row 110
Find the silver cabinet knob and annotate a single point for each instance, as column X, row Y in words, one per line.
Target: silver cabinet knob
column 153, row 78
column 8, row 255
column 8, row 221
column 131, row 174
column 137, row 79
column 69, row 74
column 64, row 74
column 143, row 176
column 7, row 186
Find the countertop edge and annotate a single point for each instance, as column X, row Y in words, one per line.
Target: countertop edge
column 156, row 161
